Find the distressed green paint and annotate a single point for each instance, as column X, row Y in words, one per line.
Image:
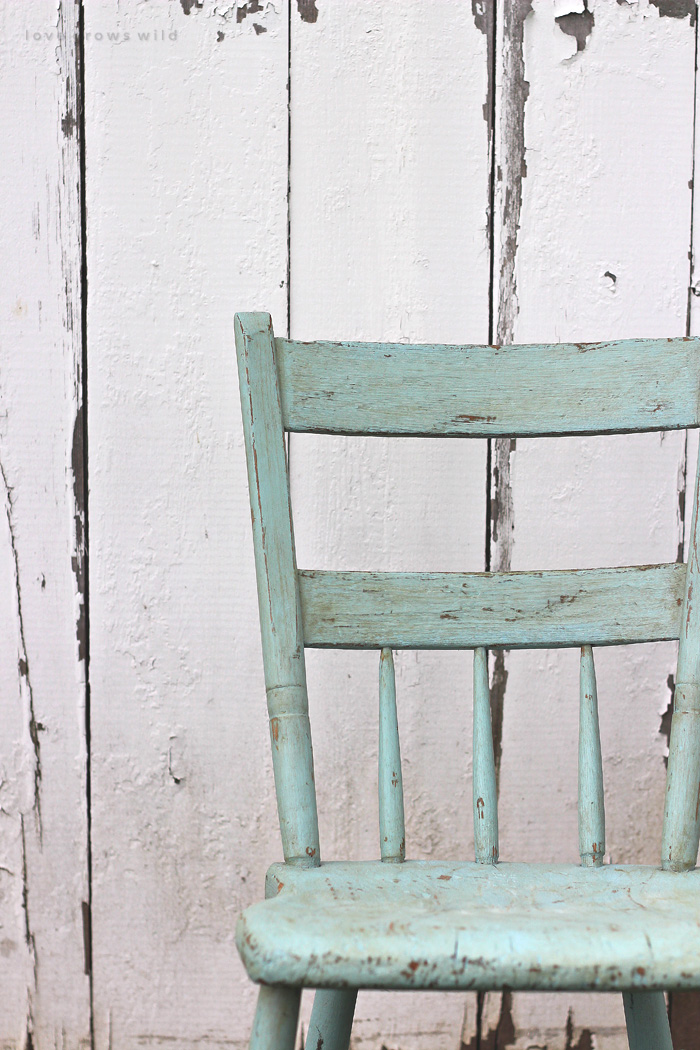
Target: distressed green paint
column 461, row 926
column 276, row 1018
column 450, row 924
column 392, row 834
column 591, row 803
column 278, row 590
column 679, row 847
column 514, row 610
column 484, row 793
column 331, row 1019
column 487, row 391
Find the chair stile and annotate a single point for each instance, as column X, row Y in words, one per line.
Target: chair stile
column 681, row 828
column 278, row 593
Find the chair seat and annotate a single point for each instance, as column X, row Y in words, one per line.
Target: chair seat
column 456, row 925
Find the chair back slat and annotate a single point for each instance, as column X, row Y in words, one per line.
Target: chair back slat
column 278, row 589
column 591, row 801
column 364, row 610
column 681, row 834
column 487, row 391
column 392, row 833
column 484, row 792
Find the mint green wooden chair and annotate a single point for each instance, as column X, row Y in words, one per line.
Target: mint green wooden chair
column 396, row 923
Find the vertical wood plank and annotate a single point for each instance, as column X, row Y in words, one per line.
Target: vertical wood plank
column 484, row 792
column 680, row 838
column 389, row 183
column 44, row 887
column 591, row 98
column 392, row 834
column 684, row 1008
column 187, row 212
column 591, row 800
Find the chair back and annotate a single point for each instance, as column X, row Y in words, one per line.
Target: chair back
column 463, row 391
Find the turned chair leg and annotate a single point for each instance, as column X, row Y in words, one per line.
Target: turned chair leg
column 276, row 1017
column 647, row 1021
column 331, row 1019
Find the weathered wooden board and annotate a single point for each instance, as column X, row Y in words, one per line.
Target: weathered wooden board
column 389, row 200
column 44, row 891
column 389, row 185
column 684, row 1007
column 489, row 391
column 594, row 246
column 515, row 610
column 187, row 207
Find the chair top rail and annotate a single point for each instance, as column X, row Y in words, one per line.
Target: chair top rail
column 512, row 610
column 489, row 391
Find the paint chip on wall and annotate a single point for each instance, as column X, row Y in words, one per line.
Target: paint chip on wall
column 577, row 23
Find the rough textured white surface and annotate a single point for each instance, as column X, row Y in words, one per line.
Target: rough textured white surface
column 43, row 801
column 596, row 200
column 187, row 185
column 189, row 214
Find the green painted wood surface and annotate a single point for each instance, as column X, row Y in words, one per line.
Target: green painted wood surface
column 276, row 1017
column 455, row 925
column 452, row 925
column 366, row 610
column 681, row 831
column 278, row 590
column 647, row 1021
column 484, row 790
column 392, row 833
column 331, row 1019
column 591, row 802
column 485, row 391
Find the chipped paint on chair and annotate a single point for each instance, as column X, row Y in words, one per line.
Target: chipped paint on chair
column 457, row 925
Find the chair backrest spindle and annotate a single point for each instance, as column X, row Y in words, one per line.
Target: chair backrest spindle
column 392, row 832
column 591, row 801
column 485, row 799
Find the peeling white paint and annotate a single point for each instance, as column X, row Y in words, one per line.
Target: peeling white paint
column 188, row 170
column 596, row 201
column 188, row 219
column 43, row 801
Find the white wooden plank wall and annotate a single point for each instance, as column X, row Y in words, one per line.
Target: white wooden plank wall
column 44, row 888
column 602, row 249
column 331, row 163
column 187, row 198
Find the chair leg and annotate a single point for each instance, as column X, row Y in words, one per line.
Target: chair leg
column 276, row 1016
column 331, row 1019
column 647, row 1021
